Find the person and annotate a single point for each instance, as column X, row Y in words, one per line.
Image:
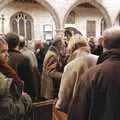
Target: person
column 40, row 51
column 20, row 63
column 98, row 50
column 97, row 95
column 14, row 103
column 81, row 61
column 33, row 61
column 92, row 44
column 52, row 70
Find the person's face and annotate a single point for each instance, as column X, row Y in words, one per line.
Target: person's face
column 4, row 52
column 60, row 45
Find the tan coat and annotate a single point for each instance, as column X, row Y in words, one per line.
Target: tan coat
column 72, row 73
column 51, row 76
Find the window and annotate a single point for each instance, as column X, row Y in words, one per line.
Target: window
column 48, row 32
column 91, row 28
column 103, row 25
column 71, row 18
column 21, row 24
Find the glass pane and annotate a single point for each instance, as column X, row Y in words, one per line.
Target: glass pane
column 28, row 30
column 91, row 28
column 21, row 27
column 14, row 26
column 21, row 23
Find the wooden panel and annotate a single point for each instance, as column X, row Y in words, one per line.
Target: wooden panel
column 43, row 110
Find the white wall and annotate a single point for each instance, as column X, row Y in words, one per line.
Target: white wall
column 39, row 14
column 84, row 14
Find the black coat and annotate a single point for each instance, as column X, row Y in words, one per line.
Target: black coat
column 21, row 64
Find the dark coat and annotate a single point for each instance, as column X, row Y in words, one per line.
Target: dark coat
column 98, row 94
column 21, row 64
column 12, row 107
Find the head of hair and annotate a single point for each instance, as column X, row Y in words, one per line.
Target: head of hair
column 111, row 38
column 12, row 40
column 3, row 41
column 77, row 41
column 37, row 44
column 56, row 41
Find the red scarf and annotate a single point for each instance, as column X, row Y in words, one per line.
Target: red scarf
column 10, row 72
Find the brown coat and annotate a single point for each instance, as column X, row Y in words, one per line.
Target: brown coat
column 98, row 93
column 72, row 74
column 52, row 72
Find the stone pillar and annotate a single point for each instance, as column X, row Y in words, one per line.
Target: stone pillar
column 2, row 21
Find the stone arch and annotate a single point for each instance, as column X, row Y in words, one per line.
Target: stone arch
column 117, row 17
column 45, row 4
column 52, row 12
column 94, row 3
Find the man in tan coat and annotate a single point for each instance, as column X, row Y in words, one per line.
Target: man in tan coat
column 52, row 70
column 81, row 61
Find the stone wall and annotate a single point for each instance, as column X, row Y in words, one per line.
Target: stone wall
column 55, row 12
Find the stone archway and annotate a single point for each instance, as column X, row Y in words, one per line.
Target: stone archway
column 94, row 3
column 117, row 19
column 42, row 2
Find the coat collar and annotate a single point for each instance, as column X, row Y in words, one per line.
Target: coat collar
column 109, row 55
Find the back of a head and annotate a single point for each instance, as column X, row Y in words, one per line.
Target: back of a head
column 56, row 41
column 12, row 40
column 111, row 38
column 77, row 41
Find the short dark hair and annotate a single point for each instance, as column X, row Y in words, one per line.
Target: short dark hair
column 111, row 38
column 12, row 40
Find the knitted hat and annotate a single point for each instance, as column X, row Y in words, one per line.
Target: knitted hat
column 77, row 39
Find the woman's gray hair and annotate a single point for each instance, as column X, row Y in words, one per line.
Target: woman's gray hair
column 2, row 40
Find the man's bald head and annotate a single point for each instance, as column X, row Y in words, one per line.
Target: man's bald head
column 111, row 38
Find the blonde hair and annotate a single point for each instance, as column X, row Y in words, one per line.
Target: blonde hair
column 76, row 42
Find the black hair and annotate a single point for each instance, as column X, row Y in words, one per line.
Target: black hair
column 12, row 40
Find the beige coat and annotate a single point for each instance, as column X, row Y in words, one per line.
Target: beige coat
column 52, row 72
column 72, row 73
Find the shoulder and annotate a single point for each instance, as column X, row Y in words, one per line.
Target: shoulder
column 92, row 58
column 74, row 64
column 50, row 55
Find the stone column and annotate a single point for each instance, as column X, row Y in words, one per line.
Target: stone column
column 2, row 21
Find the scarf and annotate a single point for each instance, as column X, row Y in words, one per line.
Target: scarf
column 9, row 72
column 112, row 54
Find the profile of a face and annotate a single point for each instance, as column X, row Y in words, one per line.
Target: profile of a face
column 3, row 52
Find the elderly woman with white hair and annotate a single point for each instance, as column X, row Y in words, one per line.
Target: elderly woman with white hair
column 80, row 61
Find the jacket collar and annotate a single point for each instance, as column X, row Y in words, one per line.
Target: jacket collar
column 109, row 55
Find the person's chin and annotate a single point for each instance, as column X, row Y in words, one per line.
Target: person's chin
column 6, row 61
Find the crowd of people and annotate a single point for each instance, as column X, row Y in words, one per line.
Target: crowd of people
column 82, row 77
